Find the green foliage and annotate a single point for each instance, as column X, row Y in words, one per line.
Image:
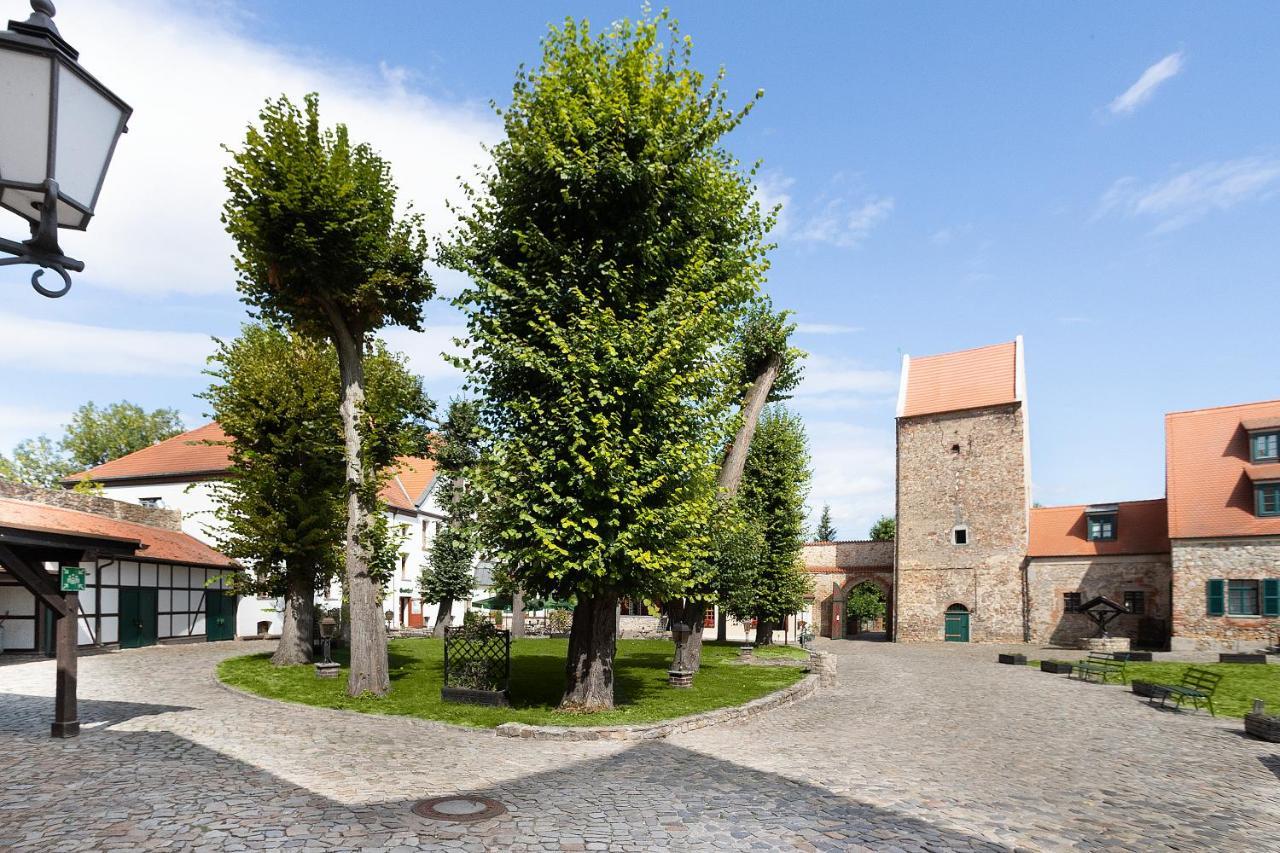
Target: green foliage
column 36, row 462
column 283, row 505
column 313, row 217
column 613, row 248
column 448, row 575
column 884, row 530
column 99, row 435
column 864, row 602
column 774, row 487
column 537, row 682
column 736, row 560
column 762, row 336
column 826, row 531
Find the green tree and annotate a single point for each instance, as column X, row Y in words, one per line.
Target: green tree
column 96, row 435
column 774, row 487
column 864, row 602
column 826, row 530
column 884, row 530
column 448, row 575
column 36, row 462
column 281, row 510
column 322, row 251
column 613, row 246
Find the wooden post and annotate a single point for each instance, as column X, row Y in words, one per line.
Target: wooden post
column 66, row 722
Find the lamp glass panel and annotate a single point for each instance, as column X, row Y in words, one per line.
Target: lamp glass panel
column 24, row 116
column 87, row 128
column 23, row 202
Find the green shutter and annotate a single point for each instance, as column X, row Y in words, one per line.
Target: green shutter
column 1271, row 597
column 1215, row 598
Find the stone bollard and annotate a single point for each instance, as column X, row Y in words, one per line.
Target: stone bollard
column 327, row 670
column 824, row 665
column 745, row 651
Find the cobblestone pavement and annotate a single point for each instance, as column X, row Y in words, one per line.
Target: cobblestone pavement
column 919, row 748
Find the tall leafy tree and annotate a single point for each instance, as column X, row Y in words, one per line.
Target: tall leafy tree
column 36, row 462
column 96, row 435
column 826, row 531
column 864, row 602
column 612, row 247
column 884, row 530
column 321, row 250
column 774, row 487
column 281, row 510
column 449, row 574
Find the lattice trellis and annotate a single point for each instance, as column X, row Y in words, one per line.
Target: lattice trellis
column 470, row 656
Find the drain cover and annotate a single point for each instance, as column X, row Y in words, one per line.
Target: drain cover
column 459, row 809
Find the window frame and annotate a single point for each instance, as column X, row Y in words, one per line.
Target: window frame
column 1272, row 490
column 957, row 531
column 1071, row 602
column 1234, row 584
column 1256, row 438
column 1111, row 519
column 1140, row 597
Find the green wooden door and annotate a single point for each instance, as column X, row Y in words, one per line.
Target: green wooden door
column 219, row 615
column 138, row 617
column 957, row 625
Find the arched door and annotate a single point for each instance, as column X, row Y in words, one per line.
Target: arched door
column 957, row 624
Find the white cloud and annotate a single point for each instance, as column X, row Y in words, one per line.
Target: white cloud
column 19, row 422
column 1195, row 193
column 843, row 223
column 1145, row 86
column 424, row 352
column 195, row 80
column 59, row 347
column 826, row 329
column 774, row 190
column 825, row 376
column 853, row 470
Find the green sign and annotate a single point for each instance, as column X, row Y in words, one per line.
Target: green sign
column 72, row 578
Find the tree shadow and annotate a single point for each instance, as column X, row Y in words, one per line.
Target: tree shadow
column 1272, row 763
column 29, row 716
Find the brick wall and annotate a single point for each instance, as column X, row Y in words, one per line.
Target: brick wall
column 166, row 519
column 1196, row 561
column 840, row 566
column 1049, row 578
column 965, row 468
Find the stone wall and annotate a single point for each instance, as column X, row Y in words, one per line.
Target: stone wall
column 1195, row 562
column 966, row 468
column 167, row 519
column 1049, row 578
column 838, row 567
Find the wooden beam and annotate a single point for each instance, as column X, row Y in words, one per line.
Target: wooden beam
column 34, row 578
column 66, row 720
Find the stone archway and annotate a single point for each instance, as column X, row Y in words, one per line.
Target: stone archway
column 878, row 629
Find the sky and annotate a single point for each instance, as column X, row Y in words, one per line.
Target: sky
column 1102, row 179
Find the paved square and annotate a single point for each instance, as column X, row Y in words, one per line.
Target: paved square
column 918, row 748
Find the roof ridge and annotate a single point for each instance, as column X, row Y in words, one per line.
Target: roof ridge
column 95, row 515
column 1097, row 503
column 1220, row 408
column 963, row 351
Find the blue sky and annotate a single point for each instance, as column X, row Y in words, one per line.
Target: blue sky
column 1101, row 179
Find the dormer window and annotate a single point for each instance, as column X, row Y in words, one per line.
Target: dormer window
column 1264, row 446
column 1267, row 499
column 1100, row 522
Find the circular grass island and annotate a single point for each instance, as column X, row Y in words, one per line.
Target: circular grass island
column 641, row 692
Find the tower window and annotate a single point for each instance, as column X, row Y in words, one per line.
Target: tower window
column 955, row 448
column 960, row 534
column 1100, row 522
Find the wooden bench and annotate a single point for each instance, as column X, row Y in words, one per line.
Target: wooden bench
column 1197, row 686
column 1100, row 665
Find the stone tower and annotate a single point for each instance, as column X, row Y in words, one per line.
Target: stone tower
column 962, row 496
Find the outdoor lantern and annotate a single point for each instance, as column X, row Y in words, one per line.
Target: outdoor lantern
column 58, row 130
column 679, row 632
column 327, row 624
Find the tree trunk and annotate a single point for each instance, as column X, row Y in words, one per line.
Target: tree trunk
column 369, row 669
column 593, row 640
column 722, row 626
column 764, row 633
column 444, row 618
column 689, row 653
column 752, row 405
column 296, row 633
column 517, row 614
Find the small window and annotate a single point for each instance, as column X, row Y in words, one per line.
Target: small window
column 1102, row 526
column 152, row 502
column 1267, row 498
column 1242, row 598
column 1135, row 601
column 1264, row 446
column 1071, row 602
column 960, row 534
column 955, row 448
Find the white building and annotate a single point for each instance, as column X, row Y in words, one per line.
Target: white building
column 179, row 473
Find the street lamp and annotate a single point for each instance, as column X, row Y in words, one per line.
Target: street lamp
column 58, row 130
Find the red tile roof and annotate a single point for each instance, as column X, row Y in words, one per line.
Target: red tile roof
column 1059, row 531
column 153, row 543
column 954, row 381
column 185, row 455
column 189, row 455
column 1207, row 472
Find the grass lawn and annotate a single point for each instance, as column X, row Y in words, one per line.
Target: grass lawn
column 641, row 693
column 1241, row 683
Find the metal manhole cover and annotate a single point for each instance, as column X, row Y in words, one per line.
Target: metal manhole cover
column 459, row 809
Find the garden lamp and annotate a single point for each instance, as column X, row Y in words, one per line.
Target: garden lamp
column 327, row 626
column 58, row 131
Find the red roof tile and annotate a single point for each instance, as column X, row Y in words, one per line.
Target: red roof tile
column 1207, row 472
column 1059, row 531
column 954, row 381
column 184, row 455
column 154, row 543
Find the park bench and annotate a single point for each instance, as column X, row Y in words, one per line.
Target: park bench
column 1197, row 686
column 1102, row 666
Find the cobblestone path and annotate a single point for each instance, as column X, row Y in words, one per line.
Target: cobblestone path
column 919, row 748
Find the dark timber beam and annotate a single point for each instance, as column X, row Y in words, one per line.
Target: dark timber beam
column 34, row 578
